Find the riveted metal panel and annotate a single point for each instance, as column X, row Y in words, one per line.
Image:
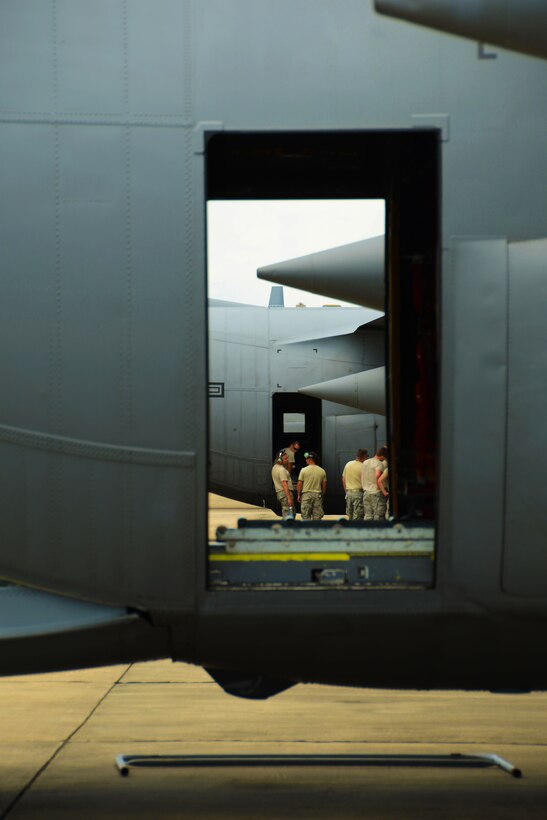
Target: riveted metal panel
column 159, row 51
column 525, row 555
column 27, row 60
column 88, row 78
column 473, row 419
column 102, row 426
column 28, row 271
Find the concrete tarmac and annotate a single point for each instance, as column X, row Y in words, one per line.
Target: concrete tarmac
column 62, row 731
column 225, row 512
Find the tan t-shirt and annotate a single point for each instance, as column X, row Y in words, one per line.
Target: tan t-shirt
column 352, row 474
column 368, row 474
column 290, row 455
column 311, row 477
column 279, row 474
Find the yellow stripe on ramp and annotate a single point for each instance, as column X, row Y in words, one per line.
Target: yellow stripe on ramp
column 279, row 556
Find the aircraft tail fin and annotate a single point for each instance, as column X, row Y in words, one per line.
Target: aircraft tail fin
column 276, row 296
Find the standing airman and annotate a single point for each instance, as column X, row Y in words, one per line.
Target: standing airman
column 351, row 481
column 291, row 451
column 283, row 485
column 374, row 499
column 311, row 488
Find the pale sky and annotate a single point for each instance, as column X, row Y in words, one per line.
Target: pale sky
column 245, row 235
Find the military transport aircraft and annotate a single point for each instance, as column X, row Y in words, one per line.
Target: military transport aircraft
column 262, row 361
column 119, row 122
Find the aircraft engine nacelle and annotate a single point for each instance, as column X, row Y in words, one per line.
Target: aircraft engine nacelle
column 365, row 390
column 518, row 25
column 354, row 273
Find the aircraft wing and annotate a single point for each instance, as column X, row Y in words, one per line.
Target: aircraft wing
column 226, row 304
column 29, row 613
column 344, row 329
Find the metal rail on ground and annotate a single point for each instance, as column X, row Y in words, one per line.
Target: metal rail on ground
column 124, row 762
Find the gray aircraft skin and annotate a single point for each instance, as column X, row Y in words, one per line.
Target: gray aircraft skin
column 119, row 121
column 260, row 358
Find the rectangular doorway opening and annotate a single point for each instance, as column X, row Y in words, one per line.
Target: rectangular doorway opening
column 338, row 369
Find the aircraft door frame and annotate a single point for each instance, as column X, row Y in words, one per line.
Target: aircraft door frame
column 310, row 438
column 402, row 167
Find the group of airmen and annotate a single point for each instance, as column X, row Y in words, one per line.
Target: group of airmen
column 365, row 481
column 311, row 485
column 366, row 484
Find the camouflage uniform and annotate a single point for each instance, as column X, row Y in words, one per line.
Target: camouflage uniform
column 285, row 509
column 311, row 506
column 354, row 504
column 280, row 474
column 351, row 478
column 375, row 505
